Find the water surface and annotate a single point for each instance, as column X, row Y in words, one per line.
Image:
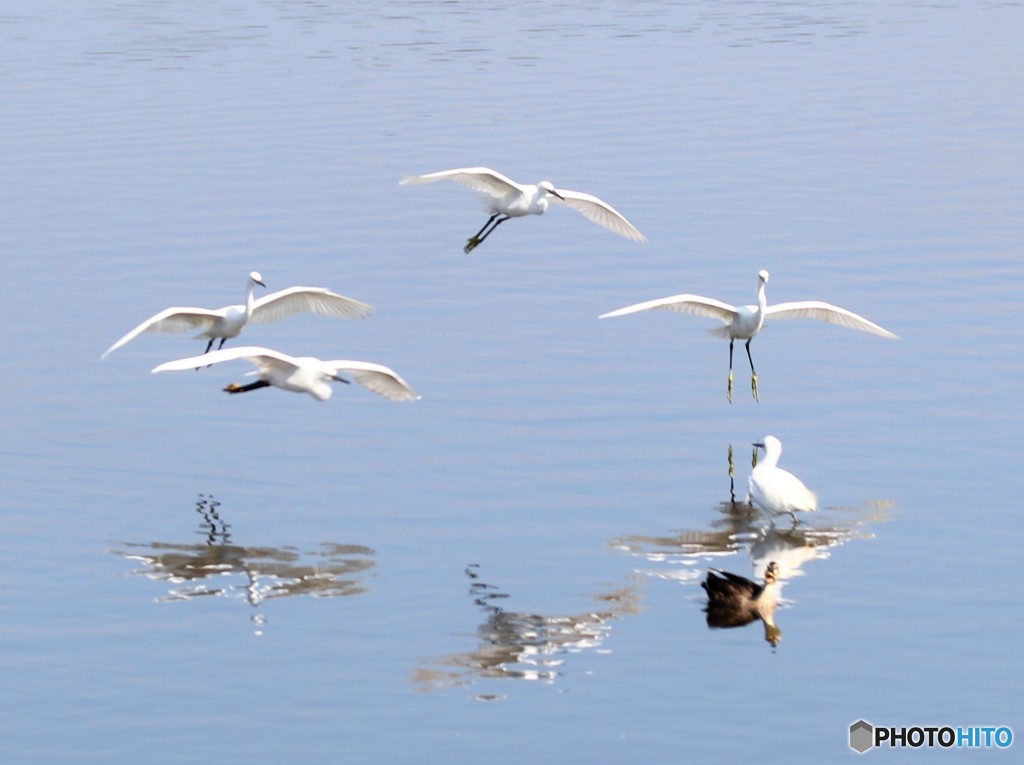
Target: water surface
column 508, row 568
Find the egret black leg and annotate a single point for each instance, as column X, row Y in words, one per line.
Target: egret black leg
column 488, row 223
column 236, row 388
column 209, row 345
column 753, row 375
column 728, row 391
column 485, row 231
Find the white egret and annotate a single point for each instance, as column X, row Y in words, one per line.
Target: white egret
column 300, row 374
column 743, row 322
column 229, row 321
column 775, row 490
column 503, row 198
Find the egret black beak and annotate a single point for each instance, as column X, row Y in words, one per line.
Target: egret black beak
column 340, row 379
column 555, row 193
column 758, row 444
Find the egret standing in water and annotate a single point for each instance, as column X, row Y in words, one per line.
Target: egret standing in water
column 743, row 322
column 504, row 198
column 775, row 490
column 300, row 374
column 229, row 321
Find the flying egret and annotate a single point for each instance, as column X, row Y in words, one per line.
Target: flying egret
column 743, row 322
column 775, row 490
column 229, row 321
column 300, row 374
column 734, row 601
column 503, row 198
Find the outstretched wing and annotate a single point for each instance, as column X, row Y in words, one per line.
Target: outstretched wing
column 695, row 305
column 263, row 358
column 378, row 378
column 170, row 320
column 319, row 300
column 598, row 211
column 481, row 179
column 815, row 309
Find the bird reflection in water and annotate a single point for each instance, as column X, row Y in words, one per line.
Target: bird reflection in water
column 525, row 645
column 255, row 574
column 735, row 601
column 739, row 528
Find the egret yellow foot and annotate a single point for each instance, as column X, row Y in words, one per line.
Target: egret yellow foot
column 471, row 244
column 728, row 390
column 233, row 388
column 753, row 387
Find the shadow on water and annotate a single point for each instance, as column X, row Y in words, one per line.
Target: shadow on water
column 524, row 645
column 218, row 567
column 740, row 529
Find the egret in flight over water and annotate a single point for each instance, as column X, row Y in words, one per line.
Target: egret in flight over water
column 300, row 374
column 229, row 321
column 775, row 490
column 745, row 321
column 503, row 198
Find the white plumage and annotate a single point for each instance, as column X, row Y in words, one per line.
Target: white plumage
column 504, row 198
column 775, row 490
column 300, row 374
column 229, row 321
column 743, row 322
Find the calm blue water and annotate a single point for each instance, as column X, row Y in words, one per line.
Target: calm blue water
column 508, row 569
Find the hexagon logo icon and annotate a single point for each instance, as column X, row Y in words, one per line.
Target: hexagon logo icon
column 862, row 735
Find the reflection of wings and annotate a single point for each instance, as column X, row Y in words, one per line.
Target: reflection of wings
column 196, row 570
column 525, row 645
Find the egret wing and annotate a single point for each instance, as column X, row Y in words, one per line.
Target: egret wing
column 264, row 358
column 319, row 300
column 815, row 309
column 170, row 320
column 481, row 179
column 378, row 378
column 695, row 305
column 599, row 212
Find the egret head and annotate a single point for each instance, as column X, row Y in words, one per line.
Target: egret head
column 770, row 444
column 549, row 187
column 763, row 276
column 256, row 278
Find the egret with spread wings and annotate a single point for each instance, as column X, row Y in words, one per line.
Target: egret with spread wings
column 504, row 198
column 743, row 322
column 300, row 374
column 228, row 322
